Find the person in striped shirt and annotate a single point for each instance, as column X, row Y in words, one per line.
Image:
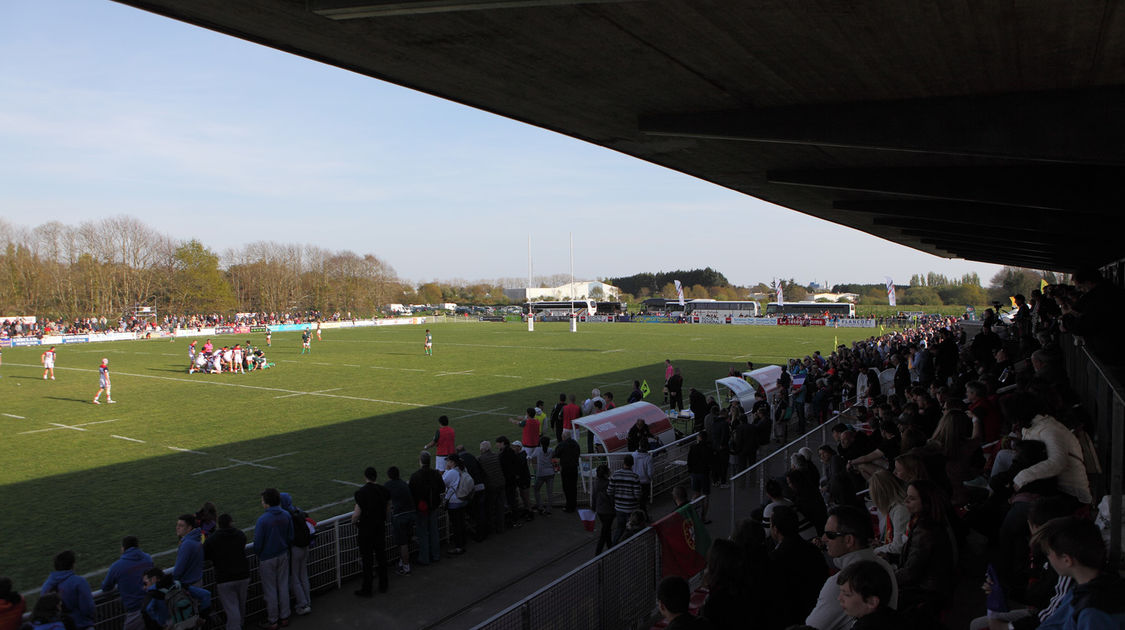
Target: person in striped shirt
column 625, row 490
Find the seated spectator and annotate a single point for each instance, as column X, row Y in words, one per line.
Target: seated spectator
column 962, row 454
column 777, row 498
column 807, row 499
column 1075, row 549
column 727, row 594
column 73, row 591
column 1065, row 460
column 800, row 570
column 865, row 590
column 673, row 596
column 888, row 493
column 847, row 539
column 12, row 606
column 159, row 587
column 925, row 573
column 48, row 613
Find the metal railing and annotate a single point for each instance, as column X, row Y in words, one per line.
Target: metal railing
column 669, row 466
column 744, row 483
column 333, row 558
column 614, row 591
column 1101, row 394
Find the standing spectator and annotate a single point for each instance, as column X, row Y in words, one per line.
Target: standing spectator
column 803, row 569
column 603, row 507
column 455, row 503
column 531, row 431
column 205, row 519
column 403, row 515
column 571, row 412
column 370, row 519
column 568, row 454
column 544, row 476
column 299, row 555
column 12, row 606
column 444, row 440
column 625, row 489
column 493, row 489
column 127, row 574
column 590, row 403
column 642, row 465
column 699, row 467
column 668, row 372
column 676, row 390
column 73, row 591
column 427, row 487
column 273, row 534
column 720, row 449
column 557, row 417
column 636, row 395
column 188, row 569
column 523, row 478
column 226, row 549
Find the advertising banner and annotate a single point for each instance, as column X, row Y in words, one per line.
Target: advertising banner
column 258, row 329
column 75, row 338
column 24, row 341
column 801, row 321
column 289, row 327
column 754, row 321
column 5, row 343
column 232, row 330
column 654, row 319
column 855, row 323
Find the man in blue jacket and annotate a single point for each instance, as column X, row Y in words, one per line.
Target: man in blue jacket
column 74, row 591
column 1075, row 549
column 188, row 569
column 273, row 534
column 128, row 575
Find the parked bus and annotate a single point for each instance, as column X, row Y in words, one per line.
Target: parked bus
column 812, row 309
column 710, row 309
column 546, row 310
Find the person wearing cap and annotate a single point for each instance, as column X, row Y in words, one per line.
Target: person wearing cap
column 103, row 383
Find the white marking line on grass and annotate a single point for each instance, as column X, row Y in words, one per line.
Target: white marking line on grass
column 186, row 450
column 616, row 383
column 504, row 376
column 479, row 413
column 350, row 365
column 328, row 364
column 334, row 389
column 56, row 426
column 273, row 389
column 328, row 505
column 453, row 373
column 349, row 483
column 12, row 415
column 615, row 350
column 122, row 437
column 256, row 463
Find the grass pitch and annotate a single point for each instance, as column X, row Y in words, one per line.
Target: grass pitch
column 80, row 476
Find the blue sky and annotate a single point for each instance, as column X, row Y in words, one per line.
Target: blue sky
column 107, row 110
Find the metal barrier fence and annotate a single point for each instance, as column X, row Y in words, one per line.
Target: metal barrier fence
column 1101, row 394
column 669, row 466
column 744, row 484
column 614, row 591
column 333, row 558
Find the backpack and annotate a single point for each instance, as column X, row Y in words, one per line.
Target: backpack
column 301, row 535
column 183, row 609
column 465, row 486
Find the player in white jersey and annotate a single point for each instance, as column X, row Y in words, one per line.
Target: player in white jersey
column 199, row 365
column 318, row 331
column 228, row 358
column 48, row 361
column 103, row 383
column 217, row 363
column 237, row 365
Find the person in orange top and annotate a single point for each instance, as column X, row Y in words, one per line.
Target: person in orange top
column 531, row 430
column 444, row 440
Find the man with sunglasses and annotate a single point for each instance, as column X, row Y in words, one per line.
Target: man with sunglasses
column 847, row 539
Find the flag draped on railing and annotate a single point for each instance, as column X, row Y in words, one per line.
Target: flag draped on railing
column 684, row 542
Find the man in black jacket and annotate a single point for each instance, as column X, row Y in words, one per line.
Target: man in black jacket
column 568, row 453
column 226, row 549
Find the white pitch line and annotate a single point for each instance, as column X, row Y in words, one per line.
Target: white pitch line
column 453, row 373
column 12, row 415
column 350, row 365
column 122, row 437
column 186, row 450
column 328, row 505
column 479, row 413
column 270, row 389
column 615, row 350
column 349, row 483
column 334, row 389
column 504, row 376
column 58, row 426
column 241, row 462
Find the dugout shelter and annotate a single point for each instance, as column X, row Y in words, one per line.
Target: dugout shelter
column 610, row 429
column 744, row 388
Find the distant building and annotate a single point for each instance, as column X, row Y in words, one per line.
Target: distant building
column 591, row 290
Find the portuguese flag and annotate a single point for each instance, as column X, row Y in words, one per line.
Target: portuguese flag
column 684, row 542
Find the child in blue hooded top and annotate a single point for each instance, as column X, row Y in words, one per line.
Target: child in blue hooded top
column 77, row 599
